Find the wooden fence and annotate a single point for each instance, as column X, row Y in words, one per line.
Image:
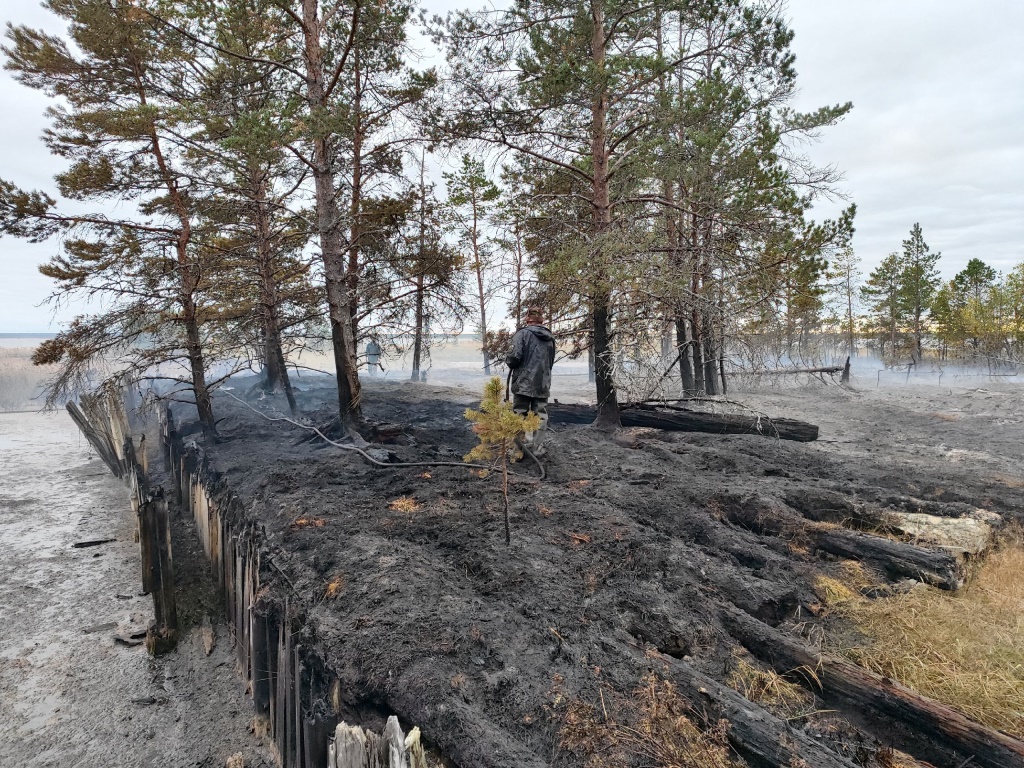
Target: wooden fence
column 296, row 696
column 104, row 420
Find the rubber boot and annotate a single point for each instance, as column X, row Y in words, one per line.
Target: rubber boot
column 540, row 435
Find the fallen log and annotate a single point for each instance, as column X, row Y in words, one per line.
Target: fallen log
column 969, row 743
column 897, row 559
column 784, row 371
column 937, row 567
column 684, row 420
column 754, row 732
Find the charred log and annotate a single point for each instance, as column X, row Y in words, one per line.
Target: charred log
column 895, row 558
column 965, row 741
column 755, row 733
column 683, row 420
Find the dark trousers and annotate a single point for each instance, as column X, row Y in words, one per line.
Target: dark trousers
column 522, row 405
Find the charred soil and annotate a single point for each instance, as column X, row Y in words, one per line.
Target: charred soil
column 628, row 567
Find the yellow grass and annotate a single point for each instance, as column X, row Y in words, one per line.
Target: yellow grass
column 964, row 649
column 652, row 728
column 334, row 587
column 406, row 504
column 768, row 688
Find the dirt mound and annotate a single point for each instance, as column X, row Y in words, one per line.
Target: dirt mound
column 629, row 563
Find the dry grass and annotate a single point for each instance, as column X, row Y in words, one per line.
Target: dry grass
column 20, row 381
column 334, row 587
column 650, row 728
column 852, row 580
column 964, row 649
column 770, row 689
column 1008, row 480
column 406, row 504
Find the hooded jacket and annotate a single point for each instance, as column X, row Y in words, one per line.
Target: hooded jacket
column 533, row 354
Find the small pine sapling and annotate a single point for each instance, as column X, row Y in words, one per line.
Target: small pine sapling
column 498, row 426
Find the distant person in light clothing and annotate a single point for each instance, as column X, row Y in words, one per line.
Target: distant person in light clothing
column 531, row 359
column 373, row 352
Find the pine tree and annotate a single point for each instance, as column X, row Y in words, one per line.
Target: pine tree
column 123, row 108
column 567, row 86
column 471, row 196
column 356, row 89
column 250, row 181
column 885, row 294
column 498, row 428
column 844, row 277
column 920, row 279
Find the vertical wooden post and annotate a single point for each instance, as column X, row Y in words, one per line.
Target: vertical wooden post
column 298, row 730
column 147, row 543
column 393, row 746
column 272, row 682
column 260, row 661
column 164, row 636
column 281, row 722
column 316, row 731
column 241, row 609
column 350, row 747
column 287, row 670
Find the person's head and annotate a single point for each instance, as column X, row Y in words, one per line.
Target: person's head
column 534, row 316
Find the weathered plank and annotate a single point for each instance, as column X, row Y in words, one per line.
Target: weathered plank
column 393, row 745
column 261, row 672
column 147, row 545
column 166, row 607
column 349, row 749
column 99, row 443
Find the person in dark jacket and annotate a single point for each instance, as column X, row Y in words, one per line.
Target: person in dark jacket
column 533, row 354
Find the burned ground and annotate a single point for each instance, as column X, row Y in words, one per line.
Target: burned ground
column 625, row 562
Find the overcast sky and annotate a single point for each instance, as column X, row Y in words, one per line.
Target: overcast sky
column 936, row 135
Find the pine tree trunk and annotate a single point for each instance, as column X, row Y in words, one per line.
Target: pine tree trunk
column 849, row 318
column 699, row 370
column 194, row 348
column 273, row 352
column 519, row 310
column 356, row 201
column 188, row 276
column 481, row 292
column 607, row 400
column 710, row 358
column 417, row 340
column 685, row 347
column 340, row 300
